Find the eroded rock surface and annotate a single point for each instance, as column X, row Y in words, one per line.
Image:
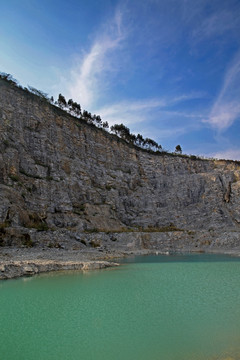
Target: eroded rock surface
column 12, row 269
column 61, row 178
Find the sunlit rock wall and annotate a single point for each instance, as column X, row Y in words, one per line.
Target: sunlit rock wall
column 58, row 172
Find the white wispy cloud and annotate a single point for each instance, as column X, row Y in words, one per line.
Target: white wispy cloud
column 87, row 76
column 137, row 111
column 216, row 24
column 226, row 108
column 129, row 112
column 164, row 134
column 185, row 97
column 231, row 154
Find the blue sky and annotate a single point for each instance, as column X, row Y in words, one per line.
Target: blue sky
column 168, row 69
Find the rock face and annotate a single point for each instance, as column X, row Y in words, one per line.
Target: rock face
column 59, row 173
column 12, row 269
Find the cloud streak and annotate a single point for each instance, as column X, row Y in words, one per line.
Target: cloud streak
column 130, row 112
column 106, row 77
column 140, row 115
column 231, row 154
column 88, row 74
column 226, row 109
column 216, row 24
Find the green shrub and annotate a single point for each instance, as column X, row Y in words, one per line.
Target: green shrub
column 41, row 226
column 6, row 143
column 79, row 209
column 14, row 178
column 55, row 245
column 27, row 241
column 37, row 223
column 90, row 231
column 166, row 228
column 4, row 225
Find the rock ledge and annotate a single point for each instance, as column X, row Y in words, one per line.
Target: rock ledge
column 13, row 269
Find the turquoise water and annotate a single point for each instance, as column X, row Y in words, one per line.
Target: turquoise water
column 150, row 308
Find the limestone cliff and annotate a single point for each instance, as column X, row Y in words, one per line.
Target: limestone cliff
column 57, row 172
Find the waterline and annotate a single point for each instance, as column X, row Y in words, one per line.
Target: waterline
column 171, row 308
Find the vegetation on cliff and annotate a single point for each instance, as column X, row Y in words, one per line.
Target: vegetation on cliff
column 74, row 109
column 120, row 130
column 66, row 181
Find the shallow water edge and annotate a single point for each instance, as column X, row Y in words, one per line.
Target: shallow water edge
column 183, row 307
column 26, row 262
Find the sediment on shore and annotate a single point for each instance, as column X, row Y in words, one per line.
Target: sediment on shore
column 65, row 250
column 13, row 269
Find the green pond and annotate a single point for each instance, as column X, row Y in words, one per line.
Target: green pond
column 181, row 307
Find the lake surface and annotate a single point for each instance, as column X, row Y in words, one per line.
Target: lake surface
column 150, row 308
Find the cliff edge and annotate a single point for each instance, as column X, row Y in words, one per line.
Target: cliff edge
column 65, row 181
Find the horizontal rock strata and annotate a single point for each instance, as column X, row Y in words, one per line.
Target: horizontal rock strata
column 13, row 269
column 63, row 182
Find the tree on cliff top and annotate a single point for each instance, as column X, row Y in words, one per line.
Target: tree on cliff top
column 61, row 101
column 178, row 149
column 37, row 92
column 122, row 131
column 75, row 110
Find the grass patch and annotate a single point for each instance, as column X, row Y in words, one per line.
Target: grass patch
column 55, row 245
column 167, row 228
column 37, row 223
column 122, row 230
column 4, row 225
column 6, row 143
column 110, row 187
column 79, row 209
column 14, row 178
column 27, row 241
column 41, row 226
column 91, row 231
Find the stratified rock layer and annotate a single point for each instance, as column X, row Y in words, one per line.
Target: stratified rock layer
column 63, row 176
column 12, row 269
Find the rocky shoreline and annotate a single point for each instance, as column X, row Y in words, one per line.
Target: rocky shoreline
column 14, row 269
column 72, row 195
column 24, row 262
column 18, row 262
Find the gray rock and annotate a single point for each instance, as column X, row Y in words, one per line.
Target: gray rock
column 60, row 178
